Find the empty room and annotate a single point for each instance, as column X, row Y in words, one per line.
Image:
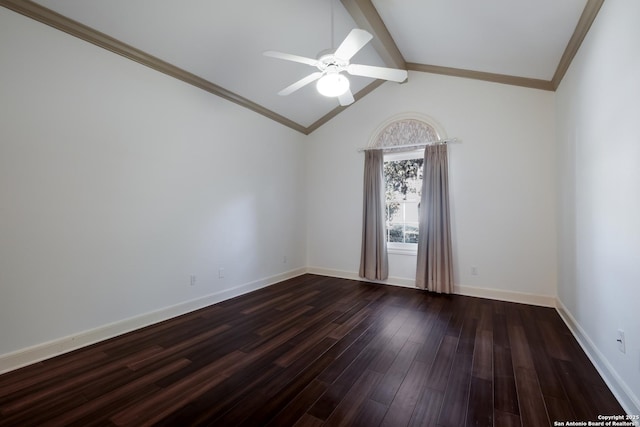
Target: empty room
column 319, row 212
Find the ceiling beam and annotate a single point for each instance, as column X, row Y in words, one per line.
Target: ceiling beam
column 367, row 18
column 582, row 28
column 47, row 16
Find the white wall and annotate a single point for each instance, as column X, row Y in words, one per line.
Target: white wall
column 502, row 182
column 598, row 107
column 117, row 183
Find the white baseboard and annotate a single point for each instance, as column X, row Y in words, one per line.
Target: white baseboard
column 497, row 294
column 397, row 281
column 28, row 356
column 502, row 295
column 627, row 399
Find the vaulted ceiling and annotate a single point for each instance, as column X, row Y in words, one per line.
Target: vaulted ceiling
column 218, row 45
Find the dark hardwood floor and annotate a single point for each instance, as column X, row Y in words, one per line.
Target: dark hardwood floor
column 317, row 351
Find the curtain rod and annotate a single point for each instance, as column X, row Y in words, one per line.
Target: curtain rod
column 419, row 144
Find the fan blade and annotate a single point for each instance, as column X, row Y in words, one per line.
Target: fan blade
column 289, row 57
column 393, row 74
column 300, row 83
column 355, row 41
column 346, row 98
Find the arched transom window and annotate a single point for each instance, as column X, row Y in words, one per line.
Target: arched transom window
column 403, row 178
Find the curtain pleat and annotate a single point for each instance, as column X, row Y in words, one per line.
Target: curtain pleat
column 374, row 263
column 434, row 270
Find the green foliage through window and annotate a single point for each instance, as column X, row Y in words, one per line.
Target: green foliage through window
column 403, row 184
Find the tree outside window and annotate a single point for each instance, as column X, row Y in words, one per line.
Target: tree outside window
column 403, row 185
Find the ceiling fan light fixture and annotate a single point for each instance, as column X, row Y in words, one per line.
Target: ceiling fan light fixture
column 332, row 84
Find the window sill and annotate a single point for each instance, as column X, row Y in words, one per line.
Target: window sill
column 403, row 251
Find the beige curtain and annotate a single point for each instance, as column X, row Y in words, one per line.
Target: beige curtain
column 374, row 263
column 434, row 269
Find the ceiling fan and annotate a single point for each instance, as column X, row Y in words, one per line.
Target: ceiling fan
column 330, row 66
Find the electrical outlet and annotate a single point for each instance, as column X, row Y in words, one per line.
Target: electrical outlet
column 620, row 340
column 221, row 273
column 192, row 280
column 474, row 270
column 284, row 259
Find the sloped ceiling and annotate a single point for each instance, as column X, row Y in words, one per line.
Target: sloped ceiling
column 218, row 45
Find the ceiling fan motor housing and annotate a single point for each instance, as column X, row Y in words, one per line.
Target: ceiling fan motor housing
column 331, row 64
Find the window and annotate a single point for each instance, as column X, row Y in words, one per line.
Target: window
column 403, row 186
column 403, row 175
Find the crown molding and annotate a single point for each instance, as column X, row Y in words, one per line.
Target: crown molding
column 331, row 114
column 88, row 34
column 481, row 75
column 589, row 14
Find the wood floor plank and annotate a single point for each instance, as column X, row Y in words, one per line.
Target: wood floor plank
column 506, row 419
column 431, row 343
column 308, row 421
column 581, row 403
column 480, row 409
column 338, row 390
column 406, row 399
column 395, row 376
column 285, row 321
column 530, row 401
column 354, row 350
column 274, row 403
column 316, row 350
column 456, row 398
column 532, row 409
column 369, row 414
column 175, row 396
column 223, row 397
column 556, row 340
column 559, row 410
column 431, row 310
column 322, row 354
column 299, row 300
column 427, row 409
column 500, row 333
column 483, row 355
column 349, row 408
column 502, row 362
column 119, row 393
column 28, row 378
column 485, row 323
column 75, row 381
column 326, row 404
column 342, row 329
column 185, row 345
column 299, row 405
column 548, row 378
column 54, row 406
column 505, row 395
column 467, row 340
column 441, row 367
column 520, row 352
column 318, row 334
column 398, row 341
